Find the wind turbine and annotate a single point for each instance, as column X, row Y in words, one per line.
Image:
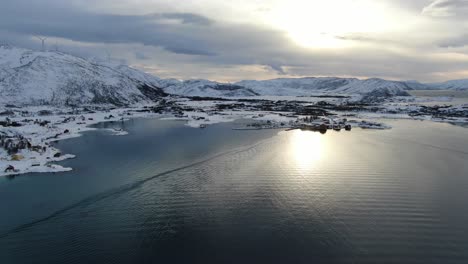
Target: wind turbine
column 43, row 39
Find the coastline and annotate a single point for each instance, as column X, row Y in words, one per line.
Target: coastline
column 38, row 126
column 35, row 161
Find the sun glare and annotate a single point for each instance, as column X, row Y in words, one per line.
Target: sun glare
column 319, row 24
column 306, row 148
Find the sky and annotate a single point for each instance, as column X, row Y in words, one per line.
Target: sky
column 231, row 40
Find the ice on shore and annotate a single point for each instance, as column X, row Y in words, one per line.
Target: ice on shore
column 41, row 130
column 43, row 125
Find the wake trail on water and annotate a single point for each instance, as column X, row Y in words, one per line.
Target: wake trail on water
column 126, row 188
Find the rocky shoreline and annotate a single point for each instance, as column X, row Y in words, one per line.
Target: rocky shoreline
column 27, row 133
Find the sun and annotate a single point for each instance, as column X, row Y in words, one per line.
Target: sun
column 322, row 24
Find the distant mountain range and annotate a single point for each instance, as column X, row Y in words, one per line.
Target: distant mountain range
column 326, row 85
column 458, row 85
column 33, row 77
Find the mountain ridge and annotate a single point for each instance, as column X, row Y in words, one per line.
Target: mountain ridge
column 49, row 77
column 457, row 85
column 31, row 78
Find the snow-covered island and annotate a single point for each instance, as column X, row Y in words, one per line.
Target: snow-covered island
column 51, row 96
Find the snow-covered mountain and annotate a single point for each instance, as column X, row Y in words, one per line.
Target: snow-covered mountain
column 31, row 77
column 458, row 85
column 205, row 88
column 327, row 85
column 415, row 85
column 287, row 87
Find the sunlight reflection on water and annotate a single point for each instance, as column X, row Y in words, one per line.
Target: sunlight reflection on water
column 367, row 196
column 307, row 148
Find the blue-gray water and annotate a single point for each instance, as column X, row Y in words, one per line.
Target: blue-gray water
column 172, row 194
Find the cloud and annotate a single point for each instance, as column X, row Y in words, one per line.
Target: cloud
column 189, row 51
column 278, row 69
column 180, row 41
column 447, row 8
column 141, row 56
column 181, row 33
column 358, row 37
column 186, row 18
column 455, row 42
column 176, row 32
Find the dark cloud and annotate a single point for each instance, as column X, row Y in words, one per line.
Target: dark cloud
column 182, row 33
column 58, row 20
column 186, row 18
column 189, row 51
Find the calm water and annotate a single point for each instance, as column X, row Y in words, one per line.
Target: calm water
column 438, row 93
column 456, row 97
column 172, row 194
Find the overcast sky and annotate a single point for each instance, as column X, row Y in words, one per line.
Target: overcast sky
column 229, row 40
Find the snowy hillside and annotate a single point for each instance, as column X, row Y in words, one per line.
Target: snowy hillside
column 205, row 88
column 458, row 85
column 30, row 77
column 329, row 85
column 287, row 87
column 415, row 85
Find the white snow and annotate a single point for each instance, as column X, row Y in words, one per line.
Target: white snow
column 204, row 88
column 33, row 78
column 458, row 85
column 285, row 87
column 325, row 85
column 34, row 161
